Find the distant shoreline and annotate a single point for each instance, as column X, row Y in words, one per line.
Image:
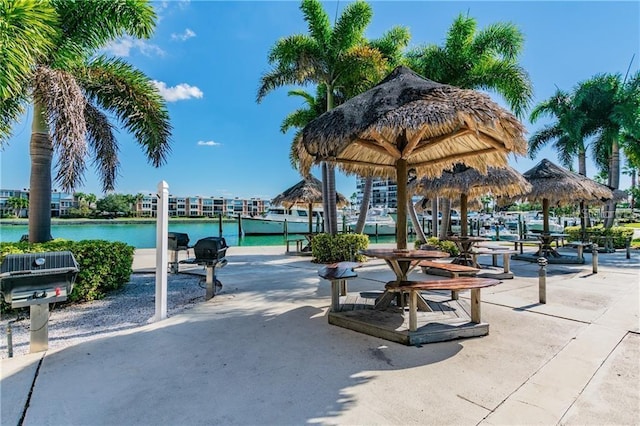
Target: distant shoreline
column 126, row 221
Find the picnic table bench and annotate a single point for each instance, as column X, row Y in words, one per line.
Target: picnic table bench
column 580, row 246
column 454, row 284
column 338, row 274
column 519, row 244
column 447, row 269
column 494, row 252
column 299, row 244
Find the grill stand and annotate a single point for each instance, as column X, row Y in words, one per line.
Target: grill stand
column 39, row 339
column 211, row 281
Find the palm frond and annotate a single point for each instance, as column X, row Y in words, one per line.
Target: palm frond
column 506, row 78
column 318, row 22
column 28, row 31
column 392, row 44
column 542, row 137
column 64, row 103
column 103, row 145
column 503, row 39
column 460, row 35
column 282, row 76
column 89, row 24
column 349, row 28
column 125, row 91
column 10, row 111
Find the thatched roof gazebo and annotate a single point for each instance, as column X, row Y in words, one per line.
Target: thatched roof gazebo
column 308, row 191
column 409, row 122
column 552, row 184
column 464, row 182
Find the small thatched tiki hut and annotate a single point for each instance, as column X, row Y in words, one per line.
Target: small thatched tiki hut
column 308, row 191
column 408, row 122
column 464, row 182
column 552, row 184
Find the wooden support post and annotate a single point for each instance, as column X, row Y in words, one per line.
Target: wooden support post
column 413, row 310
column 475, row 305
column 335, row 295
column 505, row 262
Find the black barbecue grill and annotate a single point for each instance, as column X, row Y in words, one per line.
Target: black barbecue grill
column 177, row 242
column 210, row 252
column 37, row 278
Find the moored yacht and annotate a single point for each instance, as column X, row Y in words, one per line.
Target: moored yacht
column 276, row 220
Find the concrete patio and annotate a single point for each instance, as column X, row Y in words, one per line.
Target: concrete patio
column 262, row 352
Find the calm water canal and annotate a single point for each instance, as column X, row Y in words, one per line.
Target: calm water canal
column 143, row 235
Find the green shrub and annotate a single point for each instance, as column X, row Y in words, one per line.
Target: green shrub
column 597, row 234
column 446, row 246
column 104, row 265
column 328, row 248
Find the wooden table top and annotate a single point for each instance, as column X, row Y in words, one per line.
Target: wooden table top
column 402, row 254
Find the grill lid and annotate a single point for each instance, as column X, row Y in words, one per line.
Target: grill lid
column 38, row 263
column 210, row 249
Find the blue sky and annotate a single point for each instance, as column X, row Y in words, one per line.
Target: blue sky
column 207, row 58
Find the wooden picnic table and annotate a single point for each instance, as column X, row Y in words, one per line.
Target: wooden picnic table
column 465, row 246
column 401, row 262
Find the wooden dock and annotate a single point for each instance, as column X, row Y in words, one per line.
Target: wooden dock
column 449, row 319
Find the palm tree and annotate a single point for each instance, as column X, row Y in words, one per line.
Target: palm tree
column 17, row 204
column 477, row 59
column 72, row 88
column 326, row 56
column 612, row 105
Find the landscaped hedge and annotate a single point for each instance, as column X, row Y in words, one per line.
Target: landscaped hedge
column 597, row 234
column 328, row 248
column 104, row 265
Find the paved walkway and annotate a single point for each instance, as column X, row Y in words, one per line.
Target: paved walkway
column 262, row 353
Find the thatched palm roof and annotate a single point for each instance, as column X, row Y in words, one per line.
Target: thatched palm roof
column 408, row 122
column 307, row 191
column 562, row 186
column 465, row 180
column 432, row 126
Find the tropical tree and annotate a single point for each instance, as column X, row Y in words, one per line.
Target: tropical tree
column 612, row 105
column 17, row 204
column 326, row 56
column 473, row 58
column 72, row 88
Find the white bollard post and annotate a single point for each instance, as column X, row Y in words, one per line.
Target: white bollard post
column 594, row 258
column 162, row 245
column 542, row 280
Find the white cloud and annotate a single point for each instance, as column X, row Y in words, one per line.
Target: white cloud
column 177, row 93
column 187, row 34
column 123, row 47
column 208, row 143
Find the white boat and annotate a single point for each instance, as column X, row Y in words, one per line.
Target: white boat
column 494, row 231
column 535, row 224
column 273, row 222
column 378, row 222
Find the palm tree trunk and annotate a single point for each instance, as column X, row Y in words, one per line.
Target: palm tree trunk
column 331, row 203
column 614, row 182
column 41, row 151
column 434, row 217
column 445, row 206
column 416, row 223
column 364, row 206
column 401, row 220
column 634, row 174
column 584, row 208
column 325, row 199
